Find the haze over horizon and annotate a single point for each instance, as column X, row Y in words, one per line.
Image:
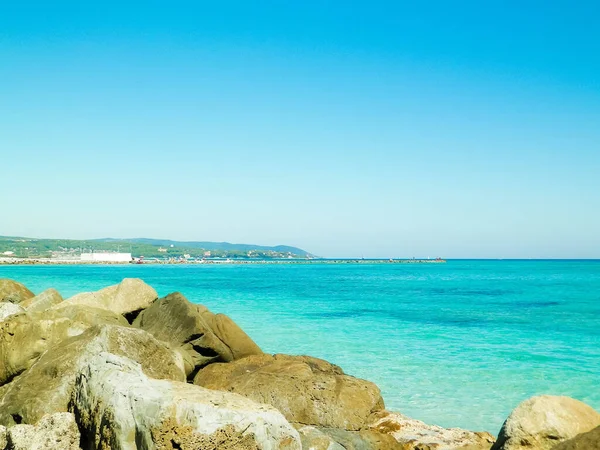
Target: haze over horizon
column 375, row 129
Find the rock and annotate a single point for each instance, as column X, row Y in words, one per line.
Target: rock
column 8, row 309
column 13, row 292
column 314, row 439
column 120, row 408
column 57, row 432
column 3, row 437
column 335, row 439
column 203, row 337
column 543, row 422
column 46, row 387
column 306, row 390
column 584, row 441
column 417, row 435
column 43, row 301
column 128, row 298
column 24, row 337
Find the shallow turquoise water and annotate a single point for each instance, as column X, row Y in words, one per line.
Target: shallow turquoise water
column 456, row 344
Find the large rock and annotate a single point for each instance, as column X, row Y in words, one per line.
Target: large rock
column 306, row 390
column 8, row 309
column 128, row 298
column 46, row 387
column 13, row 291
column 43, row 301
column 120, row 408
column 416, row 435
column 24, row 337
column 314, row 438
column 545, row 421
column 57, row 432
column 3, row 437
column 203, row 337
column 584, row 441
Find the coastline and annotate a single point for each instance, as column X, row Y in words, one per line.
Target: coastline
column 49, row 261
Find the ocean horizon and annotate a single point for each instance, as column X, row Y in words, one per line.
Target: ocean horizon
column 457, row 344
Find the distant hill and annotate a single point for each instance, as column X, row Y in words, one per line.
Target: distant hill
column 213, row 246
column 160, row 248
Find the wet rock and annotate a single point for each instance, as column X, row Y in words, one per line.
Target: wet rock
column 120, row 408
column 306, row 390
column 545, row 421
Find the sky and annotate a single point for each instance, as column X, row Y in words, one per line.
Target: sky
column 377, row 129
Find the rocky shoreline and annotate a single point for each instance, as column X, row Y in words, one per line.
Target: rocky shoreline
column 122, row 369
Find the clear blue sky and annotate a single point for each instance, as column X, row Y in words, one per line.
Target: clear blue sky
column 458, row 129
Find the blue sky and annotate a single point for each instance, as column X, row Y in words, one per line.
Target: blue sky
column 454, row 129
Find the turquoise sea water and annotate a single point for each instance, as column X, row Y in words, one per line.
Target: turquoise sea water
column 456, row 344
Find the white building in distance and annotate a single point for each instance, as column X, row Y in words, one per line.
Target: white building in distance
column 106, row 257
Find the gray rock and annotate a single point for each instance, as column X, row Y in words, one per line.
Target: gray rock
column 46, row 387
column 120, row 408
column 42, row 302
column 57, row 432
column 545, row 421
column 3, row 435
column 24, row 337
column 8, row 309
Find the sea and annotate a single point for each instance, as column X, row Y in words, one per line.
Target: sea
column 458, row 344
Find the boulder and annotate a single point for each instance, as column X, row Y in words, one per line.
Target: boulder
column 120, row 408
column 57, row 432
column 43, row 301
column 584, row 441
column 543, row 422
column 416, row 435
column 127, row 298
column 46, row 387
column 306, row 390
column 24, row 337
column 8, row 309
column 202, row 336
column 13, row 291
column 335, row 439
column 3, row 437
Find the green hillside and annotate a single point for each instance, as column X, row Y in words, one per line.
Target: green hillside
column 150, row 248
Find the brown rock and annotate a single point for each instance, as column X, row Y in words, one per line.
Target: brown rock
column 335, row 439
column 202, row 336
column 46, row 387
column 13, row 291
column 128, row 298
column 545, row 421
column 416, row 435
column 306, row 390
column 584, row 441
